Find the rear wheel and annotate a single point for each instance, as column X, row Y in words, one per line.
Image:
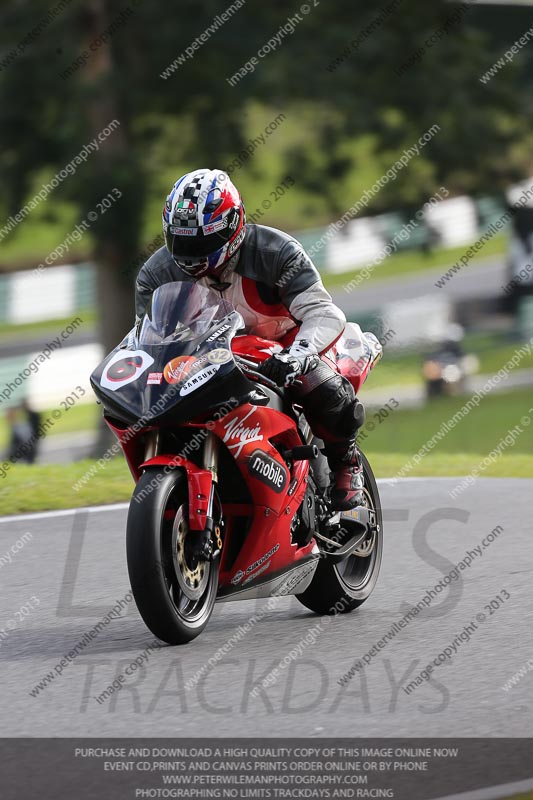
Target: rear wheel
column 174, row 592
column 339, row 588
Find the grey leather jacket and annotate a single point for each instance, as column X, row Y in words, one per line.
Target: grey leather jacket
column 271, row 281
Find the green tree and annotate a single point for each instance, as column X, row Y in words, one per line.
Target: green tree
column 123, row 48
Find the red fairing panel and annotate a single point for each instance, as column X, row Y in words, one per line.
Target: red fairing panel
column 129, row 441
column 247, row 433
column 255, row 347
column 199, row 482
column 250, row 346
column 356, row 354
column 354, row 371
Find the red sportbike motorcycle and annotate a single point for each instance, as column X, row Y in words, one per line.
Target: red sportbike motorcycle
column 218, row 450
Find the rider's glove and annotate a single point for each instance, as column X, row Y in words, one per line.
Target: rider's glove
column 285, row 367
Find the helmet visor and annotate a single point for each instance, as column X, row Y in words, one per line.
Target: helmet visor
column 193, row 245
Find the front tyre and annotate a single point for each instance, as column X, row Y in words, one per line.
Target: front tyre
column 174, row 592
column 339, row 588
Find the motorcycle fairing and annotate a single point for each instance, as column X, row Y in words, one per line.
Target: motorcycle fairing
column 199, row 483
column 247, row 433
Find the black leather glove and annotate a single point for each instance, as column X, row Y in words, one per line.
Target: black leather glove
column 285, row 367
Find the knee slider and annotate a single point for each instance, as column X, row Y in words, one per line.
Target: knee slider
column 359, row 413
column 352, row 418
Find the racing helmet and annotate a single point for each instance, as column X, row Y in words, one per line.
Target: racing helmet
column 204, row 222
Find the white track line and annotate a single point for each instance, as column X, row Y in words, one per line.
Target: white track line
column 121, row 506
column 65, row 512
column 501, row 792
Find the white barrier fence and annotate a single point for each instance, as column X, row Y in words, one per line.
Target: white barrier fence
column 57, row 292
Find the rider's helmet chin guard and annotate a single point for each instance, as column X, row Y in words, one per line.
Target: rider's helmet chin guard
column 204, row 222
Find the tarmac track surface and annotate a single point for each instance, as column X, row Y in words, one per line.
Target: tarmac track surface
column 74, row 565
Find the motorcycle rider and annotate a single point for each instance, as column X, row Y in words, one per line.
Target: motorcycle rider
column 267, row 276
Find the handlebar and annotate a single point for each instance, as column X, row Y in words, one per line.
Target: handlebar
column 250, row 367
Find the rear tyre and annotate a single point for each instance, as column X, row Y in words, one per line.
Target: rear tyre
column 339, row 588
column 174, row 593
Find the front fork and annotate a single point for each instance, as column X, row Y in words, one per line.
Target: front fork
column 210, row 455
column 200, row 512
column 210, row 463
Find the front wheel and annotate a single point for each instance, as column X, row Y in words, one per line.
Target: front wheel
column 339, row 588
column 174, row 592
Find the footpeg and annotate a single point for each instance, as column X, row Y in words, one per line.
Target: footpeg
column 306, row 452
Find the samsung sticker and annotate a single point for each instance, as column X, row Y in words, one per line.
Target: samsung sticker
column 199, row 378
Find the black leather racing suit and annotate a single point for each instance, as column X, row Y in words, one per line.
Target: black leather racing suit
column 275, row 286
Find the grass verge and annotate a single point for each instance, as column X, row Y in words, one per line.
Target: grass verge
column 45, row 488
column 406, row 431
column 445, row 465
column 528, row 796
column 49, row 486
column 389, row 445
column 46, row 327
column 492, row 350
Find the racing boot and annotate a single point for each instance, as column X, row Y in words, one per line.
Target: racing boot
column 347, row 482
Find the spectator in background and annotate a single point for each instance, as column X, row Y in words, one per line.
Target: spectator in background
column 432, row 241
column 24, row 433
column 34, row 421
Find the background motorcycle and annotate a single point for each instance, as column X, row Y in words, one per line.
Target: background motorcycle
column 218, row 451
column 447, row 368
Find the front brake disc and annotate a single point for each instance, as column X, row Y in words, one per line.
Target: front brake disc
column 192, row 579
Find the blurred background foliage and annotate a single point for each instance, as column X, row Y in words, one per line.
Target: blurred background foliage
column 343, row 126
column 348, row 114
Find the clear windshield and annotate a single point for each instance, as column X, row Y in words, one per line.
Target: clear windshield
column 180, row 312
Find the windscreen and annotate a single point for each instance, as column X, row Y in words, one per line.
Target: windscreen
column 180, row 312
